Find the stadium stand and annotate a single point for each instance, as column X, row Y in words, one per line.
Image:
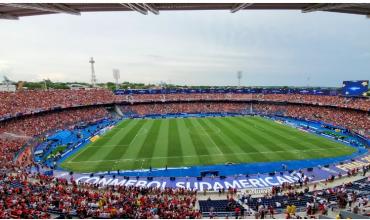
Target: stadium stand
column 35, row 196
column 26, row 116
column 228, row 207
column 314, row 202
column 337, row 101
column 29, row 102
column 33, row 101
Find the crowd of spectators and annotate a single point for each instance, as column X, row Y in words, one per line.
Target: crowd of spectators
column 40, row 123
column 338, row 101
column 172, row 108
column 30, row 101
column 8, row 148
column 312, row 201
column 351, row 119
column 15, row 133
column 24, row 195
column 21, row 197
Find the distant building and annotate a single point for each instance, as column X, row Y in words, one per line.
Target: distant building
column 77, row 86
column 7, row 88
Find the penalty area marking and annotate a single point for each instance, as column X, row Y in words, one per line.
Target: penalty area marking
column 140, row 132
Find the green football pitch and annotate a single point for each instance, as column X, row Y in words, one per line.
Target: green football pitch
column 144, row 143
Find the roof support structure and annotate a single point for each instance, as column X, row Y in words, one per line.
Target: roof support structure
column 238, row 7
column 8, row 16
column 13, row 10
column 142, row 8
column 151, row 8
column 324, row 7
column 56, row 8
column 133, row 7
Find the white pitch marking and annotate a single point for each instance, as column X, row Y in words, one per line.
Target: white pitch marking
column 209, row 155
column 218, row 149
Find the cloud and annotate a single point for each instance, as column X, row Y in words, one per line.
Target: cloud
column 192, row 47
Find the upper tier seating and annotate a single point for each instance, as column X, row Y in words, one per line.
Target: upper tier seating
column 30, row 101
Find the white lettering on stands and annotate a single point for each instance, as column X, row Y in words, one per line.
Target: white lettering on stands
column 141, row 183
column 269, row 179
column 117, row 182
column 217, row 186
column 245, row 183
column 104, row 181
column 158, row 184
column 180, row 185
column 195, row 185
column 234, row 185
column 255, row 182
column 92, row 178
column 208, row 187
column 282, row 180
column 130, row 182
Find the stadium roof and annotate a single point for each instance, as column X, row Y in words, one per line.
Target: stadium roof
column 16, row 10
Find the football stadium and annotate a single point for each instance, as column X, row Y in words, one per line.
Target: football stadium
column 93, row 150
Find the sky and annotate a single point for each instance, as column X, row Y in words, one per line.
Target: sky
column 271, row 48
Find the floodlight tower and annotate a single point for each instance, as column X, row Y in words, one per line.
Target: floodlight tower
column 239, row 75
column 93, row 76
column 116, row 76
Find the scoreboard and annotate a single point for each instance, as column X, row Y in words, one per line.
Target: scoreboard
column 355, row 88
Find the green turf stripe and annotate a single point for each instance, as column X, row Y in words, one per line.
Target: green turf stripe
column 85, row 154
column 261, row 125
column 174, row 145
column 244, row 144
column 117, row 152
column 135, row 156
column 188, row 149
column 147, row 149
column 315, row 146
column 198, row 129
column 234, row 147
column 113, row 137
column 130, row 158
column 161, row 145
column 229, row 147
column 286, row 130
column 213, row 133
column 283, row 136
column 116, row 131
column 197, row 137
column 262, row 138
column 197, row 141
column 311, row 140
column 308, row 140
column 130, row 136
column 94, row 150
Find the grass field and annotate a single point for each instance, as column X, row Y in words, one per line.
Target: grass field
column 141, row 143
